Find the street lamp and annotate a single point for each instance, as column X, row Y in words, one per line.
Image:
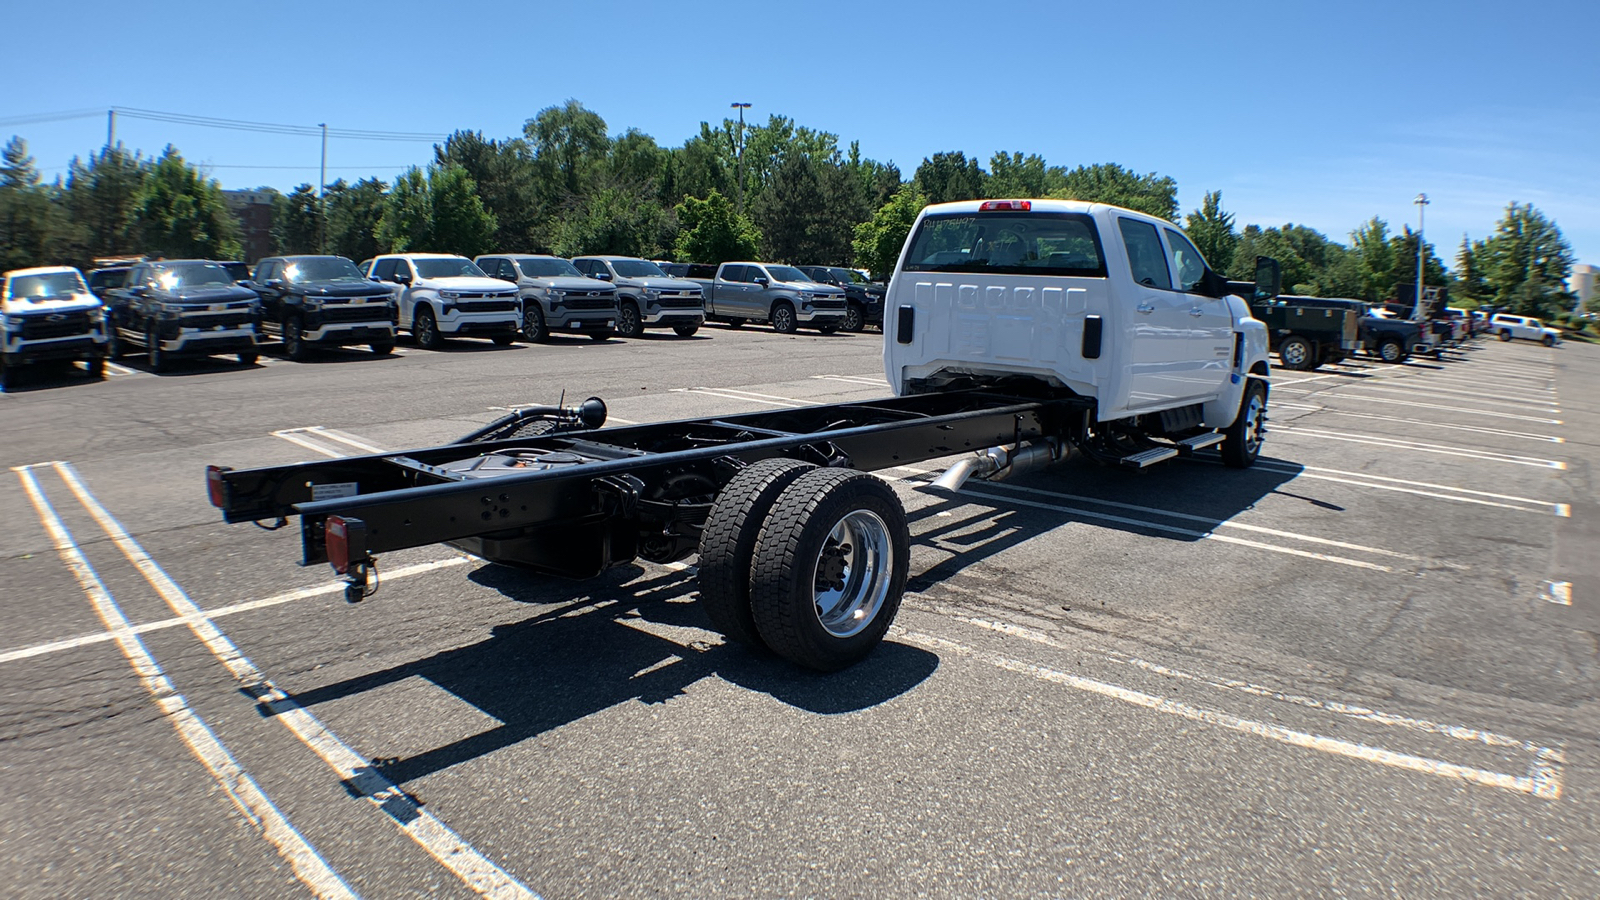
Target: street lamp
column 1422, row 207
column 739, row 154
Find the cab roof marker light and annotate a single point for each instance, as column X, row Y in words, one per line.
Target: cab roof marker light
column 1015, row 205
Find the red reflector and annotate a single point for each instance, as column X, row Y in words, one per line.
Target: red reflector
column 214, row 485
column 1017, row 205
column 338, row 544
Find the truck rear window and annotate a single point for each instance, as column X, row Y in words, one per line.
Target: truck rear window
column 1008, row 243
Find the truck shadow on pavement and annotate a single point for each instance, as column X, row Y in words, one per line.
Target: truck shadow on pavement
column 1172, row 502
column 628, row 639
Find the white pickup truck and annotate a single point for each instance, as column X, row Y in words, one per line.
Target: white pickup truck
column 443, row 296
column 48, row 313
column 1088, row 300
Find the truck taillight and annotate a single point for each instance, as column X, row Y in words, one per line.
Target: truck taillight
column 214, row 485
column 1014, row 205
column 338, row 538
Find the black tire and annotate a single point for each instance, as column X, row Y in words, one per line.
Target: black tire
column 157, row 357
column 1505, row 335
column 425, row 328
column 533, row 326
column 294, row 340
column 783, row 321
column 248, row 358
column 830, row 524
column 854, row 318
column 629, row 324
column 503, row 340
column 1243, row 439
column 95, row 367
column 728, row 543
column 686, row 330
column 10, row 376
column 1296, row 353
column 1548, row 340
column 1392, row 350
column 600, row 337
column 381, row 348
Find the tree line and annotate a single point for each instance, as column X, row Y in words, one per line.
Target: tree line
column 778, row 190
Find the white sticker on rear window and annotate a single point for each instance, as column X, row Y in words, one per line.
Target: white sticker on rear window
column 334, row 491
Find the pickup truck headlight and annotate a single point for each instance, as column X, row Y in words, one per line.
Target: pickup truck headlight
column 805, row 296
column 651, row 293
column 449, row 295
column 556, row 298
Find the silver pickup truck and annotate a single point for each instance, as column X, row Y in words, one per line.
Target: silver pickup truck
column 768, row 292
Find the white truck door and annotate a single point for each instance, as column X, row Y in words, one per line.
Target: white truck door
column 1158, row 324
column 1210, row 322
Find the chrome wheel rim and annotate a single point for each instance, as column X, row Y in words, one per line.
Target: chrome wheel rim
column 1294, row 354
column 1391, row 352
column 424, row 329
column 852, row 319
column 1255, row 425
column 627, row 320
column 532, row 325
column 850, row 576
column 782, row 319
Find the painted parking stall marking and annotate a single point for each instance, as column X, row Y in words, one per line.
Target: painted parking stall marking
column 308, row 865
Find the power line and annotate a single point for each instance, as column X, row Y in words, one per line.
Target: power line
column 354, row 134
column 41, row 118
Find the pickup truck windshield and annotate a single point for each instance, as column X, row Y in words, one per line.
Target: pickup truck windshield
column 637, row 268
column 787, row 273
column 303, row 271
column 452, row 267
column 846, row 276
column 173, row 277
column 49, row 284
column 1008, row 243
column 548, row 268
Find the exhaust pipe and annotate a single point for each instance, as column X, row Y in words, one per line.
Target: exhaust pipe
column 1001, row 463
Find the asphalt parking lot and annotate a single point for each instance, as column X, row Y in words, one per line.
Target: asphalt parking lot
column 1368, row 665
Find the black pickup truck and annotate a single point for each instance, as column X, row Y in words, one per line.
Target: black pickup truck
column 322, row 301
column 182, row 307
column 1307, row 332
column 864, row 298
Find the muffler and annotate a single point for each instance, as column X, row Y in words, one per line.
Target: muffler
column 1001, row 463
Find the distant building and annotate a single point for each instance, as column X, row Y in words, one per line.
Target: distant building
column 1585, row 282
column 253, row 209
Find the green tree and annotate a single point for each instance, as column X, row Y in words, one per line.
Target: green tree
column 1110, row 183
column 711, row 231
column 29, row 226
column 1375, row 259
column 184, row 215
column 792, row 214
column 296, row 221
column 508, row 183
column 1405, row 261
column 1016, row 176
column 947, row 177
column 611, row 220
column 1471, row 287
column 102, row 199
column 460, row 224
column 407, row 219
column 1211, row 229
column 570, row 145
column 354, row 212
column 1526, row 262
column 879, row 240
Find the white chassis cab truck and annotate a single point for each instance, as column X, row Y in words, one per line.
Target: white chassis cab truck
column 1017, row 331
column 1092, row 301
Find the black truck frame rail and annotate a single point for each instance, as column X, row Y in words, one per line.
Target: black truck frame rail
column 546, row 489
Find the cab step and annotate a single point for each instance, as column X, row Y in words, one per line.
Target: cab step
column 1199, row 442
column 1149, row 458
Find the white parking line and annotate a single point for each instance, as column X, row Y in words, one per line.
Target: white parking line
column 866, row 380
column 297, row 436
column 118, row 370
column 728, row 394
column 323, row 590
column 308, row 865
column 1474, row 429
column 1543, row 779
column 1430, row 389
column 1397, row 444
column 1438, row 491
column 476, row 871
column 1346, row 395
column 1558, row 592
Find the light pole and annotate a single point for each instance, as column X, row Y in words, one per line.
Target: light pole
column 1422, row 207
column 739, row 155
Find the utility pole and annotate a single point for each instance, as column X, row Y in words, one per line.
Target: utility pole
column 322, row 189
column 739, row 156
column 1422, row 207
column 111, row 127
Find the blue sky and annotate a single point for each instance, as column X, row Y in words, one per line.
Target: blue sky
column 1322, row 114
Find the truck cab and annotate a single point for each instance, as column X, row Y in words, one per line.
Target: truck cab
column 49, row 313
column 556, row 297
column 1087, row 300
column 441, row 296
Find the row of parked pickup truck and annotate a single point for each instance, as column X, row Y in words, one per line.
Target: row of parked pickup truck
column 171, row 308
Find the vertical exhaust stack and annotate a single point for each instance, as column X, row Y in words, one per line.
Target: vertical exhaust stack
column 1001, row 463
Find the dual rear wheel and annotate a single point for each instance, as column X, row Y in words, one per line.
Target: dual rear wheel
column 807, row 562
